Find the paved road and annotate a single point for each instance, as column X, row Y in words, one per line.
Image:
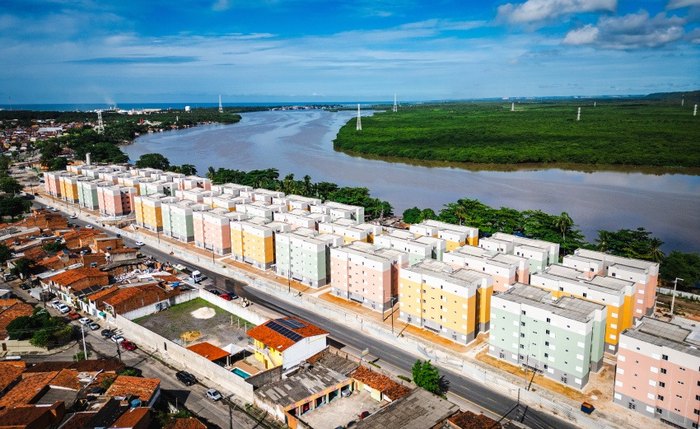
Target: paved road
column 465, row 387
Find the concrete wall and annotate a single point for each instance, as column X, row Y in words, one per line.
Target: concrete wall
column 209, row 373
column 162, row 305
column 232, row 307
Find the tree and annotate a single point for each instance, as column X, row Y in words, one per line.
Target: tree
column 5, row 253
column 9, row 185
column 53, row 246
column 23, row 267
column 682, row 265
column 427, row 376
column 412, row 215
column 58, row 163
column 186, row 169
column 13, row 206
column 631, row 243
column 153, row 160
column 564, row 223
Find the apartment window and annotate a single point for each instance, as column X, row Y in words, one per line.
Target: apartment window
column 660, row 397
column 563, row 379
column 663, row 370
column 522, row 335
column 549, row 320
column 585, row 294
column 547, row 331
column 697, row 397
column 522, row 346
column 523, row 312
column 659, row 411
column 546, row 355
column 664, row 357
column 561, row 289
column 696, row 412
column 662, row 384
column 546, row 343
column 522, row 323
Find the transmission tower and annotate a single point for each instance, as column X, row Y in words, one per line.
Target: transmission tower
column 358, row 127
column 396, row 106
column 100, row 128
column 221, row 107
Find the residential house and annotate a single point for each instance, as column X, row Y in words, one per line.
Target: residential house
column 286, row 342
column 72, row 286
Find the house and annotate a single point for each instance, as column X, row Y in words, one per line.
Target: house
column 418, row 410
column 72, row 285
column 469, row 420
column 134, row 297
column 133, row 418
column 209, row 351
column 32, row 416
column 145, row 389
column 10, row 373
column 379, row 386
column 286, row 342
column 186, row 423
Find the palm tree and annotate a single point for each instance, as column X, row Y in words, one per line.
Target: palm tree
column 564, row 223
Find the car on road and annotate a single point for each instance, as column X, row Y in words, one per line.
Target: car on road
column 225, row 297
column 73, row 315
column 89, row 227
column 128, row 345
column 63, row 308
column 85, row 320
column 108, row 333
column 93, row 326
column 117, row 338
column 139, row 244
column 73, row 216
column 214, row 395
column 363, row 415
column 186, row 378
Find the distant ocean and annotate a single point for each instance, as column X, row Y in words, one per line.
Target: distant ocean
column 83, row 107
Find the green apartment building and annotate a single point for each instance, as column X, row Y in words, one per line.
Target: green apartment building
column 303, row 255
column 87, row 193
column 563, row 339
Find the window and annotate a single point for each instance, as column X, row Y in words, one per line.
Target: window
column 664, row 357
column 523, row 312
column 696, row 412
column 659, row 411
column 662, row 384
column 547, row 332
column 660, row 397
column 546, row 355
column 663, row 370
column 549, row 320
column 522, row 323
column 522, row 346
column 546, row 343
column 522, row 335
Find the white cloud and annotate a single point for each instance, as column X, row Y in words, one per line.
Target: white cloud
column 220, row 5
column 542, row 10
column 582, row 36
column 677, row 4
column 632, row 31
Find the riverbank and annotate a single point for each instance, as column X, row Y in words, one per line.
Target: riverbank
column 629, row 136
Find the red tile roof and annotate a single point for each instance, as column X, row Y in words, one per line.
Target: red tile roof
column 67, row 378
column 186, row 423
column 9, row 373
column 130, row 298
column 67, row 278
column 208, row 351
column 469, row 420
column 380, row 382
column 276, row 340
column 132, row 417
column 144, row 388
column 31, row 385
column 8, row 302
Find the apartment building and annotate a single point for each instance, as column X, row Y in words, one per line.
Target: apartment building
column 52, row 183
column 256, row 210
column 367, row 275
column 253, row 243
column 223, row 201
column 614, row 293
column 505, row 270
column 345, row 228
column 644, row 274
column 69, row 188
column 177, row 219
column 191, row 182
column 212, row 230
column 297, row 202
column 417, row 249
column 454, row 235
column 339, row 211
column 149, row 212
column 232, row 189
column 541, row 254
column 304, row 255
column 658, row 372
column 453, row 303
column 115, row 201
column 87, row 193
column 296, row 218
column 562, row 339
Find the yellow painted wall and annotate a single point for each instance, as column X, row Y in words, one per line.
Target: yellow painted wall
column 275, row 359
column 452, row 245
column 138, row 209
column 473, row 241
column 484, row 297
column 450, row 315
column 237, row 242
column 152, row 216
column 411, row 291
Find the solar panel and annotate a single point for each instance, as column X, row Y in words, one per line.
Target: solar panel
column 284, row 331
column 291, row 323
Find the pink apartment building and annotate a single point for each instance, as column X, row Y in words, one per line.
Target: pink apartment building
column 366, row 275
column 658, row 372
column 115, row 201
column 505, row 270
column 52, row 183
column 212, row 230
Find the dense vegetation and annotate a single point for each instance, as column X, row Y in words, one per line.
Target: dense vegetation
column 638, row 243
column 269, row 179
column 11, row 205
column 41, row 329
column 638, row 133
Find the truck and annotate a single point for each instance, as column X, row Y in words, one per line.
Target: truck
column 196, row 276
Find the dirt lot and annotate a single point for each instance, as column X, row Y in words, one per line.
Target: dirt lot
column 683, row 307
column 219, row 327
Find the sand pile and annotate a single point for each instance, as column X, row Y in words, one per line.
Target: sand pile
column 203, row 313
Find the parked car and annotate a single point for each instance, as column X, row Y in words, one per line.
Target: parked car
column 363, row 415
column 186, row 378
column 89, row 227
column 74, row 216
column 128, row 345
column 55, row 304
column 63, row 309
column 139, row 244
column 107, row 333
column 93, row 326
column 85, row 321
column 214, row 291
column 73, row 315
column 117, row 338
column 25, row 286
column 225, row 297
column 214, row 395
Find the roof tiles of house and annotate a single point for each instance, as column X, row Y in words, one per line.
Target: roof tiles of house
column 469, row 420
column 271, row 338
column 209, row 351
column 125, row 385
column 123, row 250
column 66, row 378
column 24, row 392
column 130, row 298
column 7, row 303
column 380, row 382
column 132, row 417
column 67, row 278
column 186, row 423
column 100, row 295
column 9, row 373
column 31, row 416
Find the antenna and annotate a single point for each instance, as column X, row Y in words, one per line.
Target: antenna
column 358, row 127
column 221, row 107
column 578, row 115
column 100, row 128
column 396, row 106
column 512, row 106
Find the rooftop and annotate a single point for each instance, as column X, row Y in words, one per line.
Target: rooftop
column 132, row 417
column 68, row 278
column 9, row 373
column 469, row 420
column 380, row 382
column 567, row 307
column 283, row 333
column 419, row 410
column 299, row 386
column 186, row 423
column 208, row 351
column 125, row 385
column 665, row 334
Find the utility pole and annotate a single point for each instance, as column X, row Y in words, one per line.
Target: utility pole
column 673, row 297
column 82, row 331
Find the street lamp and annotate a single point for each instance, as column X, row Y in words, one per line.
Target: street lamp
column 673, row 297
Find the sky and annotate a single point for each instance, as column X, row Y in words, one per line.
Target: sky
column 127, row 51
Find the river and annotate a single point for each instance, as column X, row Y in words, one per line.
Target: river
column 300, row 142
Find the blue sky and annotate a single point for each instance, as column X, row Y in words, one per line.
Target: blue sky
column 56, row 51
